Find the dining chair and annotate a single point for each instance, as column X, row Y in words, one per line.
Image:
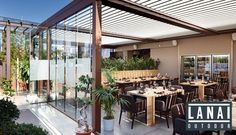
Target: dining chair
column 179, row 122
column 128, row 88
column 164, row 107
column 209, row 93
column 132, row 106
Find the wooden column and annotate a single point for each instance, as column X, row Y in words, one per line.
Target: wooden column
column 96, row 63
column 8, row 52
column 4, row 49
column 49, row 58
column 40, row 82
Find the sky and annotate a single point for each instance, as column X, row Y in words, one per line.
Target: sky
column 31, row 10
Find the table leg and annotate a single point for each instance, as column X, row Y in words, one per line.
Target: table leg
column 201, row 90
column 150, row 110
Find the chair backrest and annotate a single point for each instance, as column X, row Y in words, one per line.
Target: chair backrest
column 170, row 101
column 130, row 105
column 177, row 111
column 128, row 88
column 175, row 81
column 190, row 96
column 177, row 86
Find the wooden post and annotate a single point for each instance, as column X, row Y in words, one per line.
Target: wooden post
column 96, row 63
column 49, row 58
column 40, row 82
column 8, row 52
column 3, row 49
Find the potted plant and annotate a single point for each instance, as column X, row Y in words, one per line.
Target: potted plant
column 84, row 86
column 107, row 96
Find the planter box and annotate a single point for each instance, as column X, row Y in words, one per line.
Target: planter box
column 131, row 74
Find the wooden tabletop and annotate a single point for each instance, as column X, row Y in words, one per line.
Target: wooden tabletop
column 141, row 80
column 158, row 92
column 198, row 83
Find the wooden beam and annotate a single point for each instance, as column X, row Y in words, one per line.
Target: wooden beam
column 96, row 63
column 137, row 9
column 173, row 38
column 8, row 52
column 67, row 11
column 22, row 25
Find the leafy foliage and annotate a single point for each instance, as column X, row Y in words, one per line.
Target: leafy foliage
column 107, row 98
column 24, row 68
column 8, row 111
column 7, row 87
column 21, row 129
column 134, row 63
column 8, row 114
column 107, row 73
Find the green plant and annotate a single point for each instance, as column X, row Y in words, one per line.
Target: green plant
column 133, row 63
column 24, row 68
column 84, row 85
column 8, row 111
column 21, row 129
column 7, row 87
column 107, row 73
column 107, row 98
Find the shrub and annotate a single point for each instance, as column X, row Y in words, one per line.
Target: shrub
column 22, row 129
column 8, row 111
column 134, row 63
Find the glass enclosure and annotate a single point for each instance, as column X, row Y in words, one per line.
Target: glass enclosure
column 70, row 58
column 206, row 67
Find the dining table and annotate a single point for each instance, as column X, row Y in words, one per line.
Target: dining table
column 135, row 81
column 201, row 84
column 150, row 94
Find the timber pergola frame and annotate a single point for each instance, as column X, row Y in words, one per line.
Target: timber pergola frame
column 127, row 6
column 8, row 25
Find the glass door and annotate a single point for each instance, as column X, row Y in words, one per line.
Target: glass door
column 203, row 67
column 220, row 67
column 188, row 67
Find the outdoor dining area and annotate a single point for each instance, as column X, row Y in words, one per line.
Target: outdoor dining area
column 157, row 55
column 156, row 96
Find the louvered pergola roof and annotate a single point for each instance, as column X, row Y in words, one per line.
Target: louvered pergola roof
column 127, row 22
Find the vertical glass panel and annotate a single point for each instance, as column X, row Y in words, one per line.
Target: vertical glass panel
column 188, row 67
column 70, row 58
column 39, row 69
column 220, row 69
column 203, row 67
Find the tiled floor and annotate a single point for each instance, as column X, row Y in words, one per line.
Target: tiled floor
column 48, row 117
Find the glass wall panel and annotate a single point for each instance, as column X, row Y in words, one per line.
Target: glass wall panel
column 70, row 58
column 39, row 68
